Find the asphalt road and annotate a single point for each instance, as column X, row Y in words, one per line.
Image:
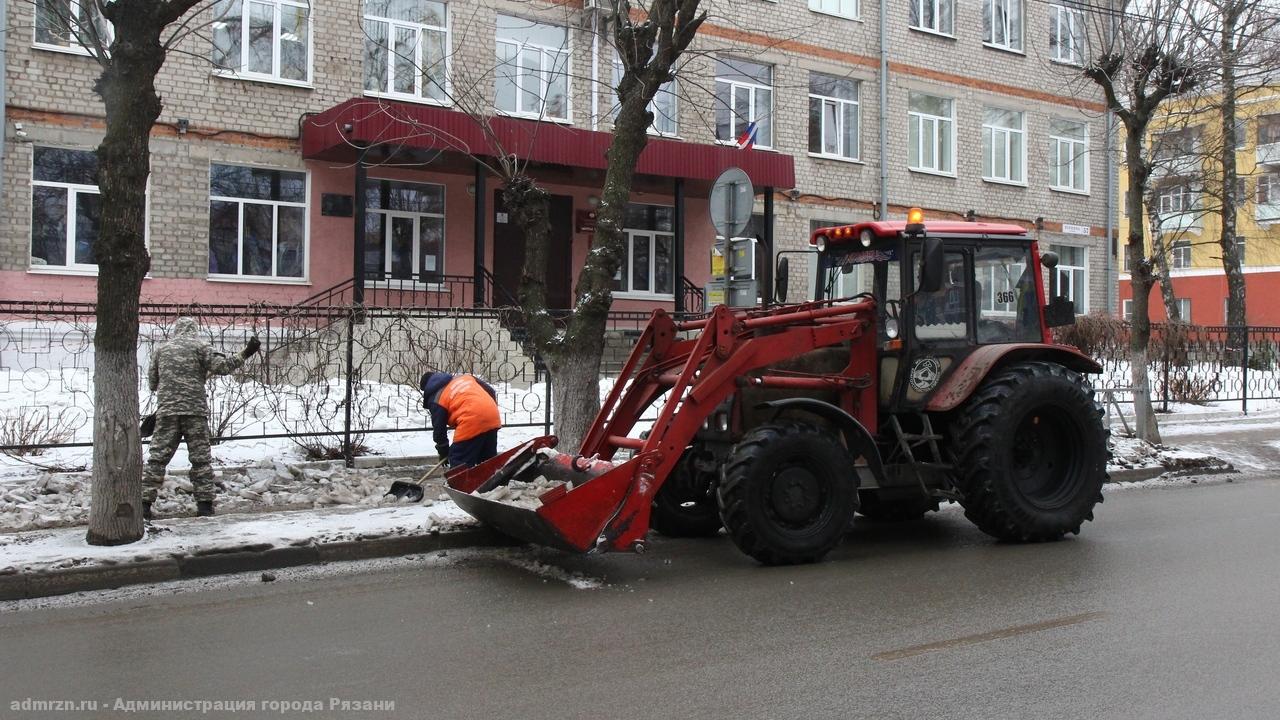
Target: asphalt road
column 1166, row 607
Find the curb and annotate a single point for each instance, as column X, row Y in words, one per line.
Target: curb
column 1139, row 474
column 26, row 586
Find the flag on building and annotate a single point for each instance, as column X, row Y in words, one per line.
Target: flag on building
column 748, row 137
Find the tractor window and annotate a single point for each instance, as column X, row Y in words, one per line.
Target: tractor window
column 944, row 315
column 1005, row 286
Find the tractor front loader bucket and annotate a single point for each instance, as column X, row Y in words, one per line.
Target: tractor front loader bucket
column 572, row 516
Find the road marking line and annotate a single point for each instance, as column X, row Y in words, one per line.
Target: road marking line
column 914, row 650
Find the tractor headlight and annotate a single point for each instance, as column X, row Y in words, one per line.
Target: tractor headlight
column 891, row 328
column 722, row 422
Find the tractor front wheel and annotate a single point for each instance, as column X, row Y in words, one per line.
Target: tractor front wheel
column 1030, row 451
column 685, row 505
column 788, row 494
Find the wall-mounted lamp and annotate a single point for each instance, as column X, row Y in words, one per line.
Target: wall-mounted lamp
column 347, row 128
column 793, row 194
column 18, row 131
column 593, row 201
column 471, row 189
column 183, row 126
column 970, row 216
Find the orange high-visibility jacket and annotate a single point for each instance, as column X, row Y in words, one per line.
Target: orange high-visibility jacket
column 472, row 411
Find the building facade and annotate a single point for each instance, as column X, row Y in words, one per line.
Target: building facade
column 287, row 126
column 1185, row 206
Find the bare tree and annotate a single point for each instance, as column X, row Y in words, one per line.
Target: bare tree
column 1140, row 57
column 131, row 53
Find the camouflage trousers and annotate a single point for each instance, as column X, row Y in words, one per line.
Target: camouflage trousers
column 171, row 430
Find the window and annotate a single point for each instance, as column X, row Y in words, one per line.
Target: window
column 1240, row 247
column 648, row 265
column 1184, row 309
column 663, row 104
column 1126, row 309
column 841, row 8
column 833, row 116
column 1068, row 155
column 1005, row 287
column 1268, row 129
column 1004, row 146
column 1242, row 133
column 1073, row 275
column 1066, row 34
column 1176, row 144
column 72, row 25
column 1269, row 189
column 1177, row 199
column 931, row 134
column 933, row 16
column 1181, row 254
column 406, row 49
column 744, row 100
column 1002, row 24
column 1241, row 194
column 263, row 39
column 65, row 208
column 944, row 315
column 533, row 69
column 257, row 222
column 404, row 231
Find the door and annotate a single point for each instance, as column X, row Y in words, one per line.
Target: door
column 508, row 251
column 403, row 247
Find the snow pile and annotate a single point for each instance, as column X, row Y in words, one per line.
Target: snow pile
column 62, row 499
column 1132, row 453
column 521, row 494
column 66, row 547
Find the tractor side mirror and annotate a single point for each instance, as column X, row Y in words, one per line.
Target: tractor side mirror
column 780, row 279
column 932, row 265
column 1049, row 259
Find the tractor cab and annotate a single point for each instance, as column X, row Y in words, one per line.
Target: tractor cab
column 942, row 291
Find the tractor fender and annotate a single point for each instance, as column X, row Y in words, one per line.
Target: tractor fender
column 965, row 379
column 856, row 435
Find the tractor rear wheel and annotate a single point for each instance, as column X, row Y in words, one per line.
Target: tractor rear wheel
column 685, row 505
column 788, row 494
column 1030, row 451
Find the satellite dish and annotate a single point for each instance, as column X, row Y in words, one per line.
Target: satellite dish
column 732, row 198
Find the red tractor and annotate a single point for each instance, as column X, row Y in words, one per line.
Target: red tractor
column 779, row 424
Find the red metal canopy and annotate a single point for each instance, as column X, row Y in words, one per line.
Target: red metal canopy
column 336, row 133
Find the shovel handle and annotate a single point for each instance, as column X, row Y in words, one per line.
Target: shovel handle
column 432, row 470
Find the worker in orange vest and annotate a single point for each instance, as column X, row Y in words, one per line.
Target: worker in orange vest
column 469, row 406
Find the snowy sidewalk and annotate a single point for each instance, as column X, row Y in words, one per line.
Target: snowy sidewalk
column 56, row 561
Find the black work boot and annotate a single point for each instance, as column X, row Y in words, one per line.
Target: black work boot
column 146, row 511
column 204, row 508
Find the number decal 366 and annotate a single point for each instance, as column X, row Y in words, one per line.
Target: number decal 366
column 1004, row 297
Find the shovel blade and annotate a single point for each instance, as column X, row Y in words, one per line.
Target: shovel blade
column 402, row 490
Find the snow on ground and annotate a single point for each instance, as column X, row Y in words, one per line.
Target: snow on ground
column 1132, row 454
column 66, row 547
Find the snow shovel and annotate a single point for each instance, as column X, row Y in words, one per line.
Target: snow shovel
column 411, row 491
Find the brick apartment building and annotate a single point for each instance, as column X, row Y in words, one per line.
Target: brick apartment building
column 256, row 191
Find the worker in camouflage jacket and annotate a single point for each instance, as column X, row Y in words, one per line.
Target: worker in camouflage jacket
column 179, row 368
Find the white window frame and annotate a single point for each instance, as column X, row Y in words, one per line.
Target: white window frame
column 274, row 279
column 847, row 9
column 1268, row 187
column 1176, row 200
column 74, row 46
column 1078, row 295
column 73, row 191
column 1241, row 247
column 545, row 73
column 839, row 104
column 1070, row 52
column 1184, row 308
column 676, row 282
column 419, row 84
column 1008, row 28
column 934, row 123
column 1057, row 145
column 242, row 73
column 668, row 89
column 739, row 125
column 1126, row 310
column 936, row 28
column 998, row 134
column 992, row 286
column 1180, row 254
column 417, row 240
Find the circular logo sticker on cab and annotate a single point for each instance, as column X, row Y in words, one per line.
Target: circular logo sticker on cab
column 925, row 374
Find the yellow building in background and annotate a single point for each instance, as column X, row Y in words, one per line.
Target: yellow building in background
column 1185, row 201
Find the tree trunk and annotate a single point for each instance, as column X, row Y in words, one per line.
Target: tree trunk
column 1140, row 282
column 127, row 88
column 1227, row 240
column 1161, row 255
